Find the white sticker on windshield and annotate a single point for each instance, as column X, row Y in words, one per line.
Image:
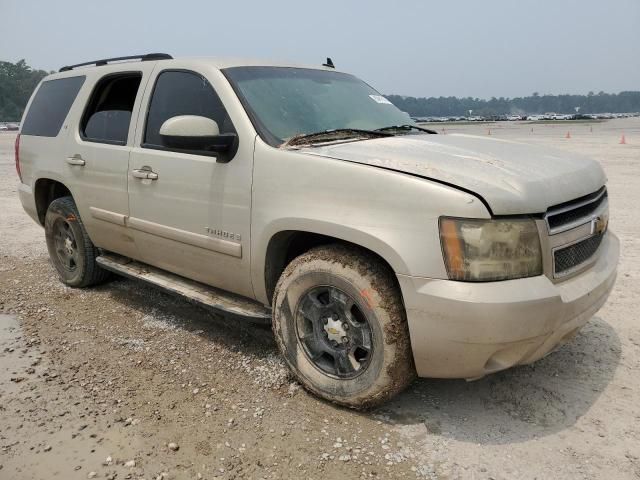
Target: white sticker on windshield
column 380, row 99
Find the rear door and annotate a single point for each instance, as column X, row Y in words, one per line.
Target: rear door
column 97, row 156
column 193, row 218
column 43, row 136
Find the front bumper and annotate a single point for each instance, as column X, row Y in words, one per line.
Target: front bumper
column 467, row 330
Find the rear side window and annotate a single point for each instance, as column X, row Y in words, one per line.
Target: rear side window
column 50, row 106
column 108, row 113
column 183, row 93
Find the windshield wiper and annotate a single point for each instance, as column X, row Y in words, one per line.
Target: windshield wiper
column 330, row 135
column 405, row 127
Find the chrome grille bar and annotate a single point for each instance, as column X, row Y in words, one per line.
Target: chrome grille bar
column 573, row 214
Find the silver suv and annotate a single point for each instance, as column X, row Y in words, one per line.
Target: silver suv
column 302, row 197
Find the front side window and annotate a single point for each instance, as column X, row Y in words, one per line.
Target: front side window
column 183, row 93
column 50, row 106
column 109, row 110
column 284, row 102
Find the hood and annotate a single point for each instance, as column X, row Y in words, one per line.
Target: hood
column 512, row 177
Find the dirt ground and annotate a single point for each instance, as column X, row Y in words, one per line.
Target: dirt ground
column 123, row 381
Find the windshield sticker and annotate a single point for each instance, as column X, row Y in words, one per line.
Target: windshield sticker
column 380, row 99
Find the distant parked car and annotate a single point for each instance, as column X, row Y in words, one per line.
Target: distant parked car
column 562, row 116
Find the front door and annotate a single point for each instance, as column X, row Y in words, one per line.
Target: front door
column 191, row 216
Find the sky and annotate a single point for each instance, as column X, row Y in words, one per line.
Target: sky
column 479, row 48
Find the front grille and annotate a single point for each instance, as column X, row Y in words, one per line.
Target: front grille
column 574, row 255
column 568, row 213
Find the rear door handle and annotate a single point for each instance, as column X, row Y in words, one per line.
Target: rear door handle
column 144, row 174
column 76, row 160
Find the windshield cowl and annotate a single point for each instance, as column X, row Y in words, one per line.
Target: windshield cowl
column 406, row 129
column 332, row 136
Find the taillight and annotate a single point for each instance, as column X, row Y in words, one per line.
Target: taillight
column 17, row 150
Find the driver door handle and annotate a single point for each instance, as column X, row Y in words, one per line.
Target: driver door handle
column 144, row 174
column 76, row 160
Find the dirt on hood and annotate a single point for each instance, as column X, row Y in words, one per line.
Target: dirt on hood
column 512, row 177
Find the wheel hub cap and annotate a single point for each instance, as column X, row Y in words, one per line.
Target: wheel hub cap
column 335, row 330
column 68, row 245
column 65, row 245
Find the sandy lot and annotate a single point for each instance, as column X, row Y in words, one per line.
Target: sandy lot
column 100, row 382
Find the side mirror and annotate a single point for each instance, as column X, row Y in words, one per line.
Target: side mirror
column 195, row 133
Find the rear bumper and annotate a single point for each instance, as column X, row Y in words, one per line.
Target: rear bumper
column 467, row 330
column 28, row 200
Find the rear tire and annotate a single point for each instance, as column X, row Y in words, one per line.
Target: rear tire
column 341, row 326
column 72, row 252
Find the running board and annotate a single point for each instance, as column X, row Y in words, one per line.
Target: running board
column 203, row 295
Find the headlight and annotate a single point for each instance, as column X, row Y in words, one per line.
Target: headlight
column 488, row 250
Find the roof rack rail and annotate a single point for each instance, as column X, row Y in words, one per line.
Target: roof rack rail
column 98, row 63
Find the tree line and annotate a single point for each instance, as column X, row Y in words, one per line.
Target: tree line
column 18, row 80
column 623, row 102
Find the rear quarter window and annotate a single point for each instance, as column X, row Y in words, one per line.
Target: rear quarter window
column 50, row 106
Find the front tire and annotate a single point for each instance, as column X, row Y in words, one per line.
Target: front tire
column 340, row 324
column 72, row 252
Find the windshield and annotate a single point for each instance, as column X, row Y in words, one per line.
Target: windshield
column 284, row 102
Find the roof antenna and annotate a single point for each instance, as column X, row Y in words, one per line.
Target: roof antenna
column 329, row 63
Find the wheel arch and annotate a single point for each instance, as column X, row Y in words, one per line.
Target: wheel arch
column 45, row 191
column 285, row 245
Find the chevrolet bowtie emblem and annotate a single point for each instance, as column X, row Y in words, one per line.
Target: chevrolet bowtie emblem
column 599, row 224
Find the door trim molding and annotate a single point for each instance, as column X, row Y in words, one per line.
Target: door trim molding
column 108, row 216
column 219, row 245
